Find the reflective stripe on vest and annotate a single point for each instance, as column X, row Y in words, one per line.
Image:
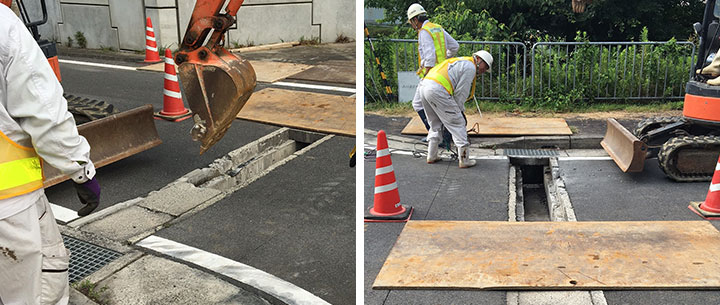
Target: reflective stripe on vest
column 439, row 74
column 20, row 169
column 438, row 37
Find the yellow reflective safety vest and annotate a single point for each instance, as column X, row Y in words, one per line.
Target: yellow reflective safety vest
column 20, row 169
column 439, row 74
column 438, row 37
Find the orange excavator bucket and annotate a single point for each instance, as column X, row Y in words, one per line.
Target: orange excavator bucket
column 624, row 148
column 216, row 83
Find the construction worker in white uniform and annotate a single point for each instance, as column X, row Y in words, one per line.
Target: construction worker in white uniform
column 36, row 130
column 443, row 92
column 434, row 46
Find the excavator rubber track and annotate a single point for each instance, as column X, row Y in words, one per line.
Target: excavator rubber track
column 648, row 124
column 85, row 109
column 689, row 158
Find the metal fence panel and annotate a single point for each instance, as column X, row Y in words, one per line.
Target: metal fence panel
column 592, row 70
column 505, row 79
column 650, row 70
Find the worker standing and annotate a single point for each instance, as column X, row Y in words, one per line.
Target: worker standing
column 443, row 93
column 434, row 46
column 35, row 128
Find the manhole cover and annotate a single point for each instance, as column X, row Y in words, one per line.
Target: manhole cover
column 530, row 152
column 86, row 258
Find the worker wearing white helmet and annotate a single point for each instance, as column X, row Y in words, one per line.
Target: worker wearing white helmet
column 443, row 93
column 434, row 46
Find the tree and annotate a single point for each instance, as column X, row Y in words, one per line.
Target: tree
column 526, row 20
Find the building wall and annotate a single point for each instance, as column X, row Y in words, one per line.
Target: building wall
column 120, row 24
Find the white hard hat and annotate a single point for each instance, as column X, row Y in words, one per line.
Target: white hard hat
column 414, row 10
column 486, row 57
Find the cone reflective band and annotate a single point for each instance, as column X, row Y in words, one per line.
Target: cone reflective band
column 710, row 208
column 151, row 49
column 173, row 108
column 386, row 202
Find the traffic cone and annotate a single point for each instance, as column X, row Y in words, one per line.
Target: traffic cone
column 151, row 50
column 710, row 208
column 386, row 204
column 173, row 108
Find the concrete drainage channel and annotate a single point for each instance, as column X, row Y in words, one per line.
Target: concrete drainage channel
column 121, row 226
column 537, row 193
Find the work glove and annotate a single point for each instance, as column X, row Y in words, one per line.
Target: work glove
column 89, row 194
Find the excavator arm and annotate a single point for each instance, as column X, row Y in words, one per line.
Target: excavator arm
column 216, row 83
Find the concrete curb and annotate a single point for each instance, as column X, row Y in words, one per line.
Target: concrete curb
column 526, row 142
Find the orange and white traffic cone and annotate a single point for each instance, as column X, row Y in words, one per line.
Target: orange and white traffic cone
column 710, row 208
column 173, row 108
column 386, row 204
column 151, row 50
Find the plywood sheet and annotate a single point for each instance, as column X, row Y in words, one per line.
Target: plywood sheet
column 553, row 255
column 311, row 111
column 344, row 74
column 266, row 71
column 502, row 126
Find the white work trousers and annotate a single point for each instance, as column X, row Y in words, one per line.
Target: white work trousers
column 33, row 259
column 441, row 109
column 417, row 99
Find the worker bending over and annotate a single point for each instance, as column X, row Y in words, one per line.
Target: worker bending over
column 443, row 93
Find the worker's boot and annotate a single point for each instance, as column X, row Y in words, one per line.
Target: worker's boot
column 714, row 81
column 432, row 155
column 713, row 69
column 464, row 156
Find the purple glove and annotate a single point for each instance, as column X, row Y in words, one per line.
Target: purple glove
column 89, row 194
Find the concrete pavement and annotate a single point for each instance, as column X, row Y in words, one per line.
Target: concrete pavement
column 241, row 224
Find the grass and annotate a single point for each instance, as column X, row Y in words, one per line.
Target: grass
column 312, row 41
column 400, row 109
column 98, row 295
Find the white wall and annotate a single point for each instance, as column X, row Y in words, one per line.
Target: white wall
column 120, row 24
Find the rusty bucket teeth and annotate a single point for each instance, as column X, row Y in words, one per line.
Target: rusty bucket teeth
column 216, row 90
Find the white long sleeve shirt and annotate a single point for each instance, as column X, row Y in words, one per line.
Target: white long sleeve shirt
column 426, row 47
column 461, row 73
column 33, row 112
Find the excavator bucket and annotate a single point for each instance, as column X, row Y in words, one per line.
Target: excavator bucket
column 114, row 138
column 216, row 89
column 626, row 149
column 215, row 82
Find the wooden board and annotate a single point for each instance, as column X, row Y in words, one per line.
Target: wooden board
column 328, row 73
column 266, row 71
column 311, row 111
column 553, row 255
column 502, row 126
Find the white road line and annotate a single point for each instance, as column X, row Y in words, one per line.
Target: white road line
column 584, row 158
column 94, row 64
column 270, row 284
column 319, row 87
column 63, row 214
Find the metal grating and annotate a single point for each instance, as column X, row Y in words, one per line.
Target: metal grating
column 86, row 258
column 530, row 152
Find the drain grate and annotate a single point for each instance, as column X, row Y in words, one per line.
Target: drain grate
column 530, row 152
column 86, row 258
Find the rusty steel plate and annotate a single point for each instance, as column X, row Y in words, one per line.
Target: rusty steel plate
column 501, row 126
column 553, row 255
column 304, row 110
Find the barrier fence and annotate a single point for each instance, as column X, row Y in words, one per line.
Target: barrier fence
column 585, row 70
